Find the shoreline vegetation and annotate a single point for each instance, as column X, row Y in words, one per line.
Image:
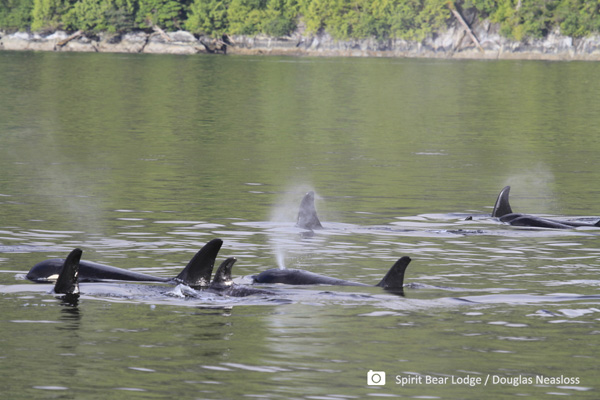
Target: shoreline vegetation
column 467, row 29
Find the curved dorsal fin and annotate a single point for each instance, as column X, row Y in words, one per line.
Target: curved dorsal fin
column 200, row 267
column 223, row 274
column 67, row 280
column 502, row 206
column 307, row 215
column 394, row 279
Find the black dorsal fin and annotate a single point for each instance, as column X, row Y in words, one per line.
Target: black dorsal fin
column 67, row 280
column 307, row 215
column 223, row 274
column 502, row 206
column 200, row 267
column 394, row 279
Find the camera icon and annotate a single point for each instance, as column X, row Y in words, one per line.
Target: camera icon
column 375, row 378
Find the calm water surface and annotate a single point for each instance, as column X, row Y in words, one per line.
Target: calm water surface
column 140, row 160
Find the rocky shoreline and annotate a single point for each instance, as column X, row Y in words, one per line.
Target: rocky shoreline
column 454, row 43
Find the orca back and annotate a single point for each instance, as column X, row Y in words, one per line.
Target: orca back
column 48, row 271
column 299, row 277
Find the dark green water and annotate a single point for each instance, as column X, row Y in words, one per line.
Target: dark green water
column 140, row 160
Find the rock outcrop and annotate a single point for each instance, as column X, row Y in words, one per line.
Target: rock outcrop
column 452, row 43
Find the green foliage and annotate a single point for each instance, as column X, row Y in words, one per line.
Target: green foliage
column 485, row 7
column 100, row 15
column 404, row 22
column 432, row 17
column 15, row 14
column 245, row 16
column 46, row 14
column 342, row 19
column 250, row 17
column 208, row 17
column 168, row 14
column 85, row 14
column 280, row 17
column 536, row 18
column 314, row 13
column 119, row 19
column 406, row 19
column 578, row 17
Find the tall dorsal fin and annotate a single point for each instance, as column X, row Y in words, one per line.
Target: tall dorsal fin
column 307, row 215
column 200, row 267
column 502, row 206
column 223, row 274
column 67, row 280
column 394, row 279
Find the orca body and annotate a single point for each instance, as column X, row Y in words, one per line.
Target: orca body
column 197, row 273
column 48, row 271
column 516, row 219
column 393, row 280
column 307, row 214
column 503, row 211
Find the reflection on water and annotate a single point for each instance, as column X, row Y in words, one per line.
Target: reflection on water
column 140, row 160
column 71, row 316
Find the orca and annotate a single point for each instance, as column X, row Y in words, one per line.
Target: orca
column 69, row 272
column 503, row 211
column 197, row 273
column 308, row 219
column 67, row 282
column 48, row 270
column 307, row 214
column 516, row 219
column 392, row 281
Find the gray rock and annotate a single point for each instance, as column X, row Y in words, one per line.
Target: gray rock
column 452, row 43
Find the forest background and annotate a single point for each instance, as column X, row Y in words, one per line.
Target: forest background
column 342, row 19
